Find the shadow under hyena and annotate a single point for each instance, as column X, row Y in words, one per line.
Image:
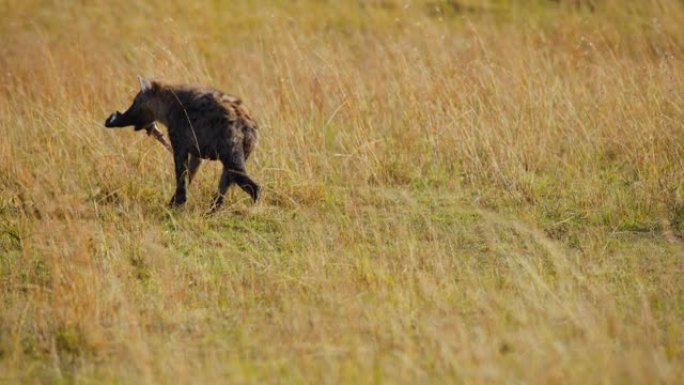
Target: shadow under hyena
column 203, row 123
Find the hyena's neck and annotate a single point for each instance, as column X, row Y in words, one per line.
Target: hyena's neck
column 164, row 104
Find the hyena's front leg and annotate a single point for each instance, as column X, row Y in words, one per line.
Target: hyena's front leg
column 193, row 164
column 180, row 160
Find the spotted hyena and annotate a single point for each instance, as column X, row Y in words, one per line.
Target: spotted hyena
column 203, row 123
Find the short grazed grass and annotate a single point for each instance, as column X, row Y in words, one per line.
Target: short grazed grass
column 454, row 192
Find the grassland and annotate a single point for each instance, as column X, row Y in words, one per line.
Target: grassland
column 482, row 194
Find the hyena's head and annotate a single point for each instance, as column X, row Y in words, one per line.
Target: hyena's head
column 140, row 114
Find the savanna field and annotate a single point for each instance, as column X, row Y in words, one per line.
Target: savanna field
column 454, row 192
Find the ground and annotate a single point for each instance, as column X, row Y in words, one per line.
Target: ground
column 477, row 192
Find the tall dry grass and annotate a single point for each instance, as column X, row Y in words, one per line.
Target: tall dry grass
column 483, row 194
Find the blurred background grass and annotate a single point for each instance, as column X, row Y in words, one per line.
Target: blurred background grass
column 455, row 192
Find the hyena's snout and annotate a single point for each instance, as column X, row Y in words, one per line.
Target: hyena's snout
column 113, row 120
column 137, row 119
column 118, row 119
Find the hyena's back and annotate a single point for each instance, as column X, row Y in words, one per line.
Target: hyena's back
column 211, row 113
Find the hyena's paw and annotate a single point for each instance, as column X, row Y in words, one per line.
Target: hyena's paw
column 178, row 200
column 254, row 192
column 216, row 204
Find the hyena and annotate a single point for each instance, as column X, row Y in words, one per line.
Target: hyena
column 203, row 123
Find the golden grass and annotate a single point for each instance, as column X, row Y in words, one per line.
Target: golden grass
column 484, row 195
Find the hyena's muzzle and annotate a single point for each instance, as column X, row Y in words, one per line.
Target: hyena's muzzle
column 132, row 117
column 140, row 119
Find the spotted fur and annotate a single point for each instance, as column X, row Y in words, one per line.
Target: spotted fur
column 203, row 123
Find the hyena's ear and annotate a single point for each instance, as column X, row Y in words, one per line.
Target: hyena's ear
column 144, row 84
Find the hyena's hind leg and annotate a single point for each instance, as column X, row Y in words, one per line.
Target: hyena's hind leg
column 234, row 173
column 238, row 174
column 225, row 182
